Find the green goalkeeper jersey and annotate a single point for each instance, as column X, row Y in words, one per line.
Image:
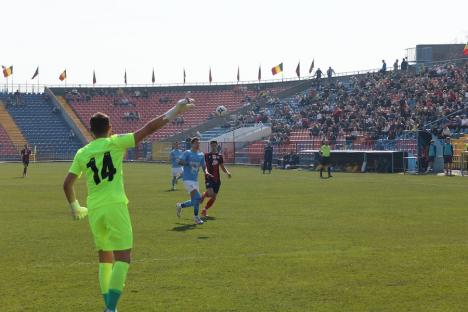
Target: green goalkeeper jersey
column 101, row 161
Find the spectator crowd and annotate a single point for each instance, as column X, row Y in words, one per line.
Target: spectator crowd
column 379, row 105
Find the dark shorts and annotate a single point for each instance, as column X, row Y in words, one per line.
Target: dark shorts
column 213, row 184
column 26, row 163
column 325, row 161
column 447, row 159
column 431, row 158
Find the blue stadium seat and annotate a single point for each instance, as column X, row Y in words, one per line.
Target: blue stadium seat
column 43, row 128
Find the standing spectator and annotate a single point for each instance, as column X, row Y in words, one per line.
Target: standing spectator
column 384, row 67
column 395, row 66
column 267, row 158
column 330, row 72
column 448, row 156
column 318, row 74
column 404, row 64
column 431, row 156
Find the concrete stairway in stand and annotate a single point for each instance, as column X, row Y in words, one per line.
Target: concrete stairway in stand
column 12, row 130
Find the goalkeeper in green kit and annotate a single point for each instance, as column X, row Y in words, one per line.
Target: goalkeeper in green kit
column 101, row 162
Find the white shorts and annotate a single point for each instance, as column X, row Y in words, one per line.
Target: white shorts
column 191, row 185
column 177, row 171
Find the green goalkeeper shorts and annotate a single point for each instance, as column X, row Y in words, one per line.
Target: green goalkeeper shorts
column 111, row 227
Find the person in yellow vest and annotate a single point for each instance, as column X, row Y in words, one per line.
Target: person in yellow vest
column 325, row 158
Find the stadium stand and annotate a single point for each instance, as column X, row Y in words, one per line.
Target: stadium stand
column 11, row 129
column 362, row 109
column 8, row 150
column 42, row 124
column 131, row 108
column 67, row 109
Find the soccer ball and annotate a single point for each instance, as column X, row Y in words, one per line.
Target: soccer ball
column 221, row 110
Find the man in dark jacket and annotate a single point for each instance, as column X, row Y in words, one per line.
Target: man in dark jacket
column 267, row 158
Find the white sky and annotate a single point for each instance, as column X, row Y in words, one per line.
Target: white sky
column 138, row 35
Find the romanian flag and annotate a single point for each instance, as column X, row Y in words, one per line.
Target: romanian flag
column 465, row 50
column 63, row 75
column 277, row 69
column 7, row 71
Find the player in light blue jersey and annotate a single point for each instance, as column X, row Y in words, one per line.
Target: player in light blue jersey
column 177, row 169
column 192, row 160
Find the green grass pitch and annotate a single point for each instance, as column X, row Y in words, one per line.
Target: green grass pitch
column 282, row 242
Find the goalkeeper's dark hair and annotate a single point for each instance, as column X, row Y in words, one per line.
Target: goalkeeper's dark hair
column 100, row 124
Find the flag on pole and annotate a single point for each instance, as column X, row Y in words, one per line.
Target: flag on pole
column 277, row 69
column 210, row 78
column 125, row 77
column 311, row 66
column 465, row 50
column 259, row 73
column 153, row 78
column 7, row 71
column 184, row 75
column 238, row 74
column 94, row 77
column 36, row 73
column 298, row 70
column 63, row 75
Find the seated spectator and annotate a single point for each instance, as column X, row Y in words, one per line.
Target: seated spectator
column 446, row 132
column 71, row 134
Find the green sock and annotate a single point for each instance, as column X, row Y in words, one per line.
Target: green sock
column 117, row 282
column 105, row 273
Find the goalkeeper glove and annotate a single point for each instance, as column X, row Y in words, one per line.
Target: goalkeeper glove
column 78, row 212
column 181, row 106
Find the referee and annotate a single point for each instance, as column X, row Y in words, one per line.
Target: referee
column 325, row 158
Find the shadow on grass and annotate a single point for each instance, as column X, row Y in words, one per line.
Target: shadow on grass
column 202, row 237
column 184, row 227
column 209, row 218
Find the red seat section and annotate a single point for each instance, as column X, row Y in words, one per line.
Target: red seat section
column 7, row 149
column 154, row 104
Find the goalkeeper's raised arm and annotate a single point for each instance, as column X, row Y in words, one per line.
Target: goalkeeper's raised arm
column 160, row 121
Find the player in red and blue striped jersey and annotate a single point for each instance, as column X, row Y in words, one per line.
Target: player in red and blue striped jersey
column 214, row 161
